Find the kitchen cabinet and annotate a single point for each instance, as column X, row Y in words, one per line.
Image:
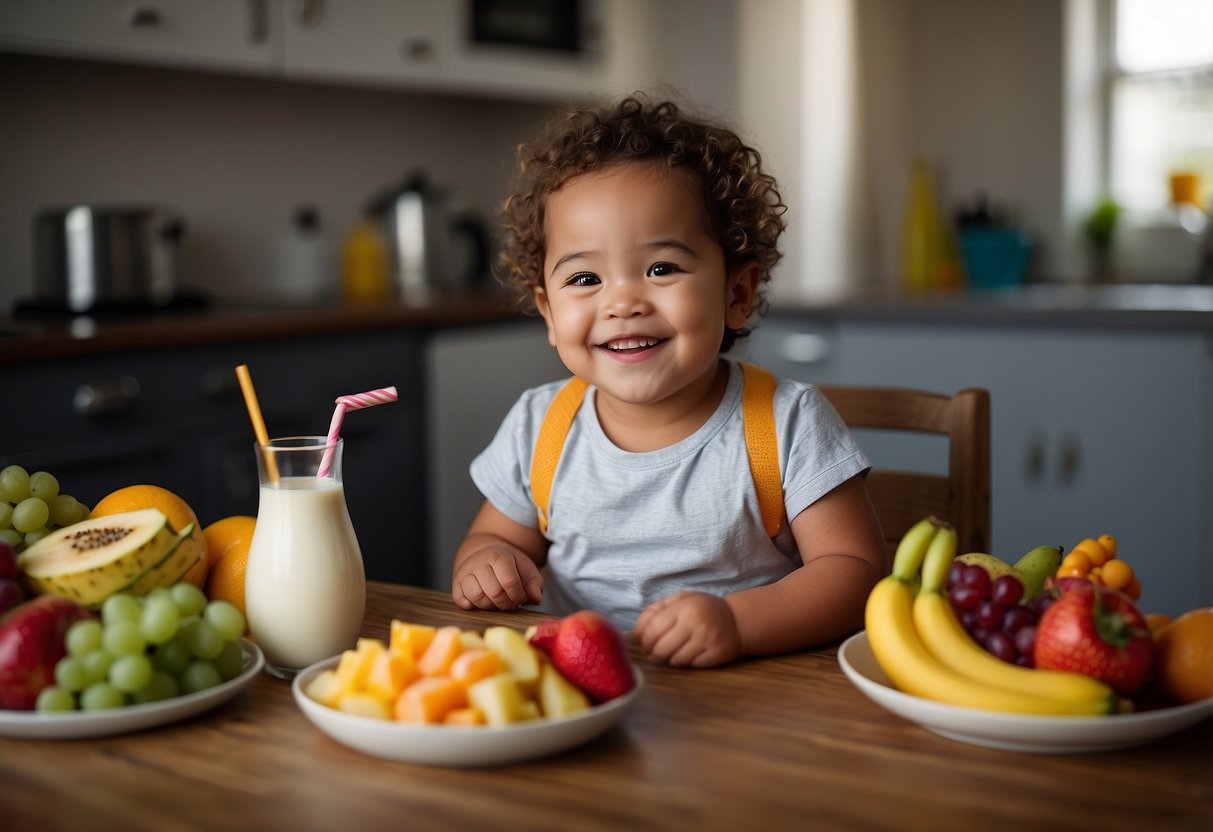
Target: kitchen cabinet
column 175, row 417
column 1093, row 430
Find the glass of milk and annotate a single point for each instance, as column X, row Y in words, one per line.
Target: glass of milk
column 305, row 586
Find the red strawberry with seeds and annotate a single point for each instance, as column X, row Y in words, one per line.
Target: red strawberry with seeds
column 31, row 643
column 588, row 651
column 1098, row 632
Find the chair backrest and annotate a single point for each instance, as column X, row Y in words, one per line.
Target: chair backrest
column 903, row 498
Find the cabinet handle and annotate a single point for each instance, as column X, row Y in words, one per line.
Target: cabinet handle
column 144, row 17
column 104, row 397
column 258, row 22
column 1070, row 460
column 309, row 13
column 417, row 49
column 1034, row 458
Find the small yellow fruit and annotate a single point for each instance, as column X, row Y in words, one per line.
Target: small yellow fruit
column 177, row 510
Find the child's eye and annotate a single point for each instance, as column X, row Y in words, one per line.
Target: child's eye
column 582, row 279
column 661, row 269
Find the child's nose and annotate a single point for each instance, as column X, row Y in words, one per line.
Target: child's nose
column 626, row 299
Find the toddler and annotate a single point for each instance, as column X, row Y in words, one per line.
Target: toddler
column 652, row 488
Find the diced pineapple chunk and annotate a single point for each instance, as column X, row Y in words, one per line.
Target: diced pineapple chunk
column 472, row 640
column 499, row 698
column 364, row 704
column 430, row 699
column 325, row 688
column 529, row 710
column 390, row 674
column 464, row 716
column 473, row 665
column 520, row 658
column 558, row 697
column 437, row 658
column 410, row 638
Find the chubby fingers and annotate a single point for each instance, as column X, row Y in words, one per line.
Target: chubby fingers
column 494, row 585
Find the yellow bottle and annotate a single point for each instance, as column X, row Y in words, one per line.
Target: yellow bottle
column 920, row 243
column 364, row 265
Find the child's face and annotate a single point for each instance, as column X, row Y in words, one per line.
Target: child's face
column 636, row 296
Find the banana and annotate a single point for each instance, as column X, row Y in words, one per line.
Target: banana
column 945, row 639
column 910, row 665
column 997, row 567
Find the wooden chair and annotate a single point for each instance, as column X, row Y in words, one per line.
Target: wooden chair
column 903, row 498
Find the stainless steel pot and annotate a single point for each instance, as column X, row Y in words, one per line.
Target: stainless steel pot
column 92, row 255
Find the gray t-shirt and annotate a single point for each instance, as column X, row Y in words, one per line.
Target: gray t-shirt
column 629, row 528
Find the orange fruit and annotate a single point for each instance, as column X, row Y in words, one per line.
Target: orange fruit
column 1077, row 559
column 1117, row 574
column 228, row 540
column 1157, row 622
column 1109, row 544
column 177, row 510
column 1094, row 549
column 1183, row 657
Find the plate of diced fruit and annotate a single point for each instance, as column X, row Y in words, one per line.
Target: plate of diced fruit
column 446, row 696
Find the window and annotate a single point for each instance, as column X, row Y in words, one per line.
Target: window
column 1160, row 99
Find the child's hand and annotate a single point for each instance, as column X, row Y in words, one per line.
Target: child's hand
column 689, row 629
column 495, row 578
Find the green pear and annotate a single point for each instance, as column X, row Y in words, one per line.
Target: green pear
column 996, row 567
column 1037, row 566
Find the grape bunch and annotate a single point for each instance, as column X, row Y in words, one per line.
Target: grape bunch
column 31, row 507
column 994, row 612
column 168, row 643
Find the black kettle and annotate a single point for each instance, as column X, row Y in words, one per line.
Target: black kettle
column 435, row 249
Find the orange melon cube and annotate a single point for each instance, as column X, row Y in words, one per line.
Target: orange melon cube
column 325, row 688
column 474, row 665
column 363, row 704
column 410, row 638
column 430, row 699
column 437, row 658
column 390, row 674
column 352, row 670
column 464, row 716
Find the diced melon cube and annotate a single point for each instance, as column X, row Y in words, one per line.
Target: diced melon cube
column 471, row 639
column 475, row 664
column 325, row 688
column 364, row 704
column 499, row 698
column 529, row 710
column 390, row 674
column 370, row 645
column 437, row 658
column 410, row 638
column 352, row 670
column 430, row 699
column 558, row 697
column 520, row 658
column 464, row 716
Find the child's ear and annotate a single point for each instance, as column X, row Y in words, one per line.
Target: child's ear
column 740, row 291
column 545, row 310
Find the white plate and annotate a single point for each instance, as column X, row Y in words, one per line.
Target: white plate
column 1015, row 732
column 459, row 745
column 76, row 725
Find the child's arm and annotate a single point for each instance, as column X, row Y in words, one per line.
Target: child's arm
column 497, row 565
column 844, row 556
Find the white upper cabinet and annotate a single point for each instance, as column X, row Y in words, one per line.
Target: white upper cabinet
column 239, row 35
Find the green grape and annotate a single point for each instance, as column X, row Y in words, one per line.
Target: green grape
column 84, row 637
column 97, row 663
column 72, row 674
column 12, row 537
column 82, row 512
column 123, row 638
column 199, row 676
column 189, row 599
column 159, row 621
column 174, row 656
column 130, row 673
column 204, row 642
column 121, row 607
column 37, row 534
column 160, row 686
column 54, row 699
column 43, row 485
column 14, row 483
column 101, row 696
column 63, row 510
column 30, row 514
column 158, row 592
column 225, row 618
column 230, row 663
column 6, row 515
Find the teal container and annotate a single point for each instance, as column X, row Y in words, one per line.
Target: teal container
column 994, row 258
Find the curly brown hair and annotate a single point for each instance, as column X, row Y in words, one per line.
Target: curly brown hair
column 741, row 202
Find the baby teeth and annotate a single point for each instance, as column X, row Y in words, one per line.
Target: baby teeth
column 632, row 343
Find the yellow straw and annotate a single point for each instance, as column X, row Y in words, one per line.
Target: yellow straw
column 254, row 412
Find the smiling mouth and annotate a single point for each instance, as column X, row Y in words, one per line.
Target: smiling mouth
column 632, row 345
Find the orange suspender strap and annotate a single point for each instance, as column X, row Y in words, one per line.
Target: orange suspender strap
column 761, row 443
column 758, row 418
column 550, row 444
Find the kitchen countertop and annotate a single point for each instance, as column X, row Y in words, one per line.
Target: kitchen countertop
column 28, row 339
column 785, row 742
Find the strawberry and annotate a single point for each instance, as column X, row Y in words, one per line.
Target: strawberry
column 31, row 643
column 588, row 651
column 1098, row 632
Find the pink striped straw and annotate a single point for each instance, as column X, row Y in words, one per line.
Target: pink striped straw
column 357, row 401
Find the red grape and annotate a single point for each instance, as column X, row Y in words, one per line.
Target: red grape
column 1002, row 646
column 989, row 615
column 1006, row 590
column 1016, row 618
column 965, row 598
column 955, row 573
column 976, row 577
column 1025, row 640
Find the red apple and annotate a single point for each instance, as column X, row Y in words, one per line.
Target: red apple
column 11, row 594
column 31, row 643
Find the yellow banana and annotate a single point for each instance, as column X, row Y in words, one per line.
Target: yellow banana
column 945, row 639
column 902, row 655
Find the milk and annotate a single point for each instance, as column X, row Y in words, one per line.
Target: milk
column 305, row 588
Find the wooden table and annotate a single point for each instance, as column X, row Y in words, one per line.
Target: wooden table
column 780, row 743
